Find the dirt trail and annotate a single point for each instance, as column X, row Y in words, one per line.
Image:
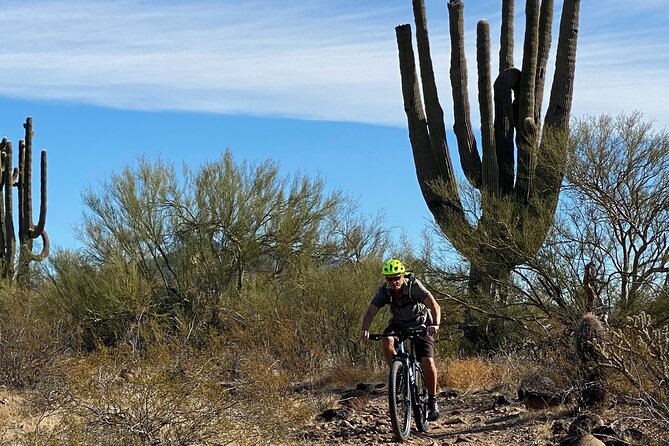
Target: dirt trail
column 477, row 418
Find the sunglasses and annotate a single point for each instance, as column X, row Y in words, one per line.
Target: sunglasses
column 393, row 278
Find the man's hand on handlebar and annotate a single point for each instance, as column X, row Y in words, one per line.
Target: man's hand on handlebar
column 432, row 330
column 364, row 335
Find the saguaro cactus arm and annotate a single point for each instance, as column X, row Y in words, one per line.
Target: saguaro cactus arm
column 431, row 165
column 505, row 85
column 434, row 112
column 526, row 129
column 470, row 160
column 489, row 165
column 545, row 35
column 27, row 230
column 550, row 165
column 9, row 234
column 506, row 36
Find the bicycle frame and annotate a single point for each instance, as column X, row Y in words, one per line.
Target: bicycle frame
column 408, row 357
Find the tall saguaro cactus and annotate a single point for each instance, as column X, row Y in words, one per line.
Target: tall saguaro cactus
column 521, row 167
column 21, row 178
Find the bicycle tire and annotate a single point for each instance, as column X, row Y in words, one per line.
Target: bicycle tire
column 399, row 400
column 419, row 404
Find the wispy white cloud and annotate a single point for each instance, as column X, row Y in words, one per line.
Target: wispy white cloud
column 316, row 60
column 249, row 57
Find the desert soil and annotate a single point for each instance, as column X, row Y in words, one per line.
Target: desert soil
column 358, row 416
column 478, row 418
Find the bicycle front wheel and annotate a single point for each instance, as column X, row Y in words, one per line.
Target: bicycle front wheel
column 420, row 402
column 399, row 400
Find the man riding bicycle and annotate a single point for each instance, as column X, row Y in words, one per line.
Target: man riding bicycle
column 411, row 305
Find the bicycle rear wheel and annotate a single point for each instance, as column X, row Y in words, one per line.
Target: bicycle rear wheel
column 420, row 403
column 399, row 400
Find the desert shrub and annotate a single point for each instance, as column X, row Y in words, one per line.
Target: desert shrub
column 309, row 320
column 104, row 304
column 169, row 395
column 115, row 397
column 178, row 252
column 639, row 351
column 27, row 342
column 553, row 357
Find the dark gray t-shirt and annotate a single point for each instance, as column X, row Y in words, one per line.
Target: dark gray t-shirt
column 407, row 310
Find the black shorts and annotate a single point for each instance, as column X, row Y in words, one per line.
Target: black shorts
column 424, row 344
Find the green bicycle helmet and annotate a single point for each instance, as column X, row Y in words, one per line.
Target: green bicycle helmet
column 392, row 267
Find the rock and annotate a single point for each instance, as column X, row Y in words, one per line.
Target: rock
column 608, row 435
column 501, row 400
column 450, row 393
column 585, row 440
column 355, row 402
column 613, row 437
column 558, row 427
column 633, row 436
column 540, row 392
column 584, row 424
column 451, row 421
column 341, row 413
column 364, row 387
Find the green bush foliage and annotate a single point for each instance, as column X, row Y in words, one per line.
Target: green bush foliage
column 230, row 248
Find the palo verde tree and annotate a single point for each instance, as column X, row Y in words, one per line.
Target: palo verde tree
column 21, row 178
column 613, row 219
column 520, row 171
column 617, row 207
column 211, row 246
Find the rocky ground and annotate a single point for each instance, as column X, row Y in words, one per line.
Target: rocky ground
column 358, row 416
column 478, row 418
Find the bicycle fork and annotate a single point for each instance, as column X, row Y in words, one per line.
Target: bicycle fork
column 410, row 366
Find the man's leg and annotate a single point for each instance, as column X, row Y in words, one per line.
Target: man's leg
column 430, row 370
column 388, row 345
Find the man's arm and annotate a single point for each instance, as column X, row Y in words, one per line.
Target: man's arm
column 431, row 303
column 367, row 321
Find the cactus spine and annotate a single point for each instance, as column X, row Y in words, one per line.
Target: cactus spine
column 21, row 178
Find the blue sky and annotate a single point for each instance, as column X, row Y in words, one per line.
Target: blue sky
column 313, row 85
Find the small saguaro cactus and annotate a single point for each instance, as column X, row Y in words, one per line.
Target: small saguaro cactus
column 589, row 336
column 21, row 178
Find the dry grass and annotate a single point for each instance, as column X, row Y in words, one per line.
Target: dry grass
column 27, row 343
column 345, row 375
column 470, row 374
column 166, row 395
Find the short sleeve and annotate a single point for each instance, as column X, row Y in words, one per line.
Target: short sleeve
column 418, row 291
column 380, row 298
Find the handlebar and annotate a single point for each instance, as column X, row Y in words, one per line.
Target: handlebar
column 402, row 334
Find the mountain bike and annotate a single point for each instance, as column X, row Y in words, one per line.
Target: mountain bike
column 407, row 392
